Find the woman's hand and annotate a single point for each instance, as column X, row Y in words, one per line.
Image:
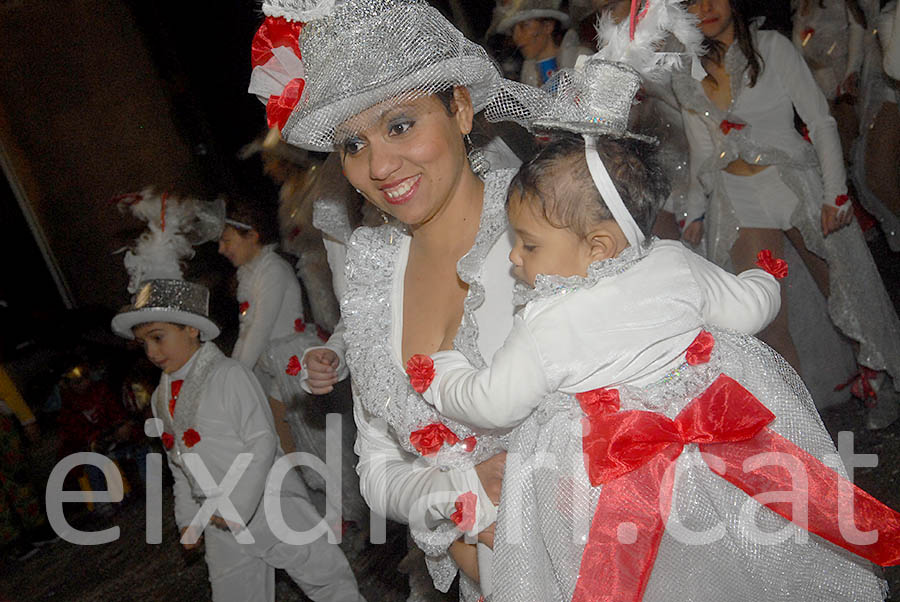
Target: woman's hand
column 465, row 555
column 321, row 370
column 194, row 536
column 833, row 219
column 693, row 233
column 490, row 472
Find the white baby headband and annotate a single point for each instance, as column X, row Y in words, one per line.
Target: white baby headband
column 609, row 193
column 239, row 225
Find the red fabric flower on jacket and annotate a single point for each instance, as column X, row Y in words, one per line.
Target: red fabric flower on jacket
column 293, row 367
column 299, row 325
column 841, row 199
column 464, row 516
column 599, row 401
column 430, row 439
column 168, row 440
column 726, row 126
column 699, row 351
column 243, row 307
column 420, row 369
column 190, row 437
column 776, row 267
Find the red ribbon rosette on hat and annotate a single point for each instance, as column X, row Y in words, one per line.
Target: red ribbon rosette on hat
column 278, row 74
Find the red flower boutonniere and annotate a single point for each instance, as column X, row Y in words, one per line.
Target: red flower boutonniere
column 599, row 401
column 299, row 325
column 776, row 267
column 243, row 307
column 167, row 440
column 190, row 437
column 726, row 126
column 841, row 199
column 420, row 369
column 464, row 516
column 699, row 351
column 294, row 366
column 430, row 439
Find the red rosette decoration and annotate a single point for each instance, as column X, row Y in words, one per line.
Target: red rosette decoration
column 167, row 440
column 282, row 73
column 190, row 437
column 841, row 199
column 699, row 351
column 299, row 325
column 776, row 267
column 274, row 32
column 469, row 443
column 293, row 367
column 430, row 439
column 420, row 369
column 726, row 126
column 464, row 515
column 243, row 307
column 599, row 401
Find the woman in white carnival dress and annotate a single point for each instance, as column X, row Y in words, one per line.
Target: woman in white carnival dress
column 392, row 87
column 758, row 182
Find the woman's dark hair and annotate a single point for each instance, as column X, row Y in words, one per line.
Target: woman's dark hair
column 260, row 215
column 715, row 50
column 558, row 179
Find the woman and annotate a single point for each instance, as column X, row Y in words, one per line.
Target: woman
column 393, row 88
column 765, row 183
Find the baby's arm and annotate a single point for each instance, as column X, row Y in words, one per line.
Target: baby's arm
column 499, row 396
column 746, row 302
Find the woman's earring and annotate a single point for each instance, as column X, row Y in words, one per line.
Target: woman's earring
column 478, row 161
column 384, row 216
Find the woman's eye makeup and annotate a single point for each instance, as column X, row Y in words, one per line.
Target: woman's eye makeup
column 399, row 125
column 352, row 145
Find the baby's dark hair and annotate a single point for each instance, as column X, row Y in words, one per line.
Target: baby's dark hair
column 260, row 215
column 558, row 179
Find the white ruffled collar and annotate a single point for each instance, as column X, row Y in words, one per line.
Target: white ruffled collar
column 546, row 286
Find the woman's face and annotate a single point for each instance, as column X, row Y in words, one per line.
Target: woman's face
column 716, row 20
column 533, row 37
column 409, row 158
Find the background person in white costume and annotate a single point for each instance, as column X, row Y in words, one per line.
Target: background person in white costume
column 758, row 182
column 269, row 296
column 213, row 411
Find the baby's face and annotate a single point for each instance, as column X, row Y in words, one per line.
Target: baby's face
column 542, row 248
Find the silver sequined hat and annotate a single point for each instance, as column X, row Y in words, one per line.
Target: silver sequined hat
column 159, row 292
column 369, row 52
column 516, row 11
column 593, row 98
column 174, row 301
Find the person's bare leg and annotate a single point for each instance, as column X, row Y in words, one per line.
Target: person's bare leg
column 882, row 150
column 848, row 125
column 749, row 243
column 282, row 427
column 817, row 266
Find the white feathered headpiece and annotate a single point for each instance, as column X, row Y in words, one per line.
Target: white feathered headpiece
column 173, row 227
column 639, row 42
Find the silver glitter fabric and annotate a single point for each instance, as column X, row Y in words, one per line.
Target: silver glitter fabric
column 545, row 520
column 593, row 99
column 167, row 300
column 370, row 52
column 858, row 303
column 382, row 386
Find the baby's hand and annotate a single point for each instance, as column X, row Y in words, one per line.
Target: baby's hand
column 191, row 538
column 693, row 233
column 321, row 370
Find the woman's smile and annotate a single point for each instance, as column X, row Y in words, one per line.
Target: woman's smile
column 398, row 193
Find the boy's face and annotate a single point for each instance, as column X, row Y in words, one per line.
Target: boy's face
column 239, row 248
column 168, row 346
column 541, row 247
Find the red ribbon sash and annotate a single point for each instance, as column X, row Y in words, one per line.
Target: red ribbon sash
column 632, row 453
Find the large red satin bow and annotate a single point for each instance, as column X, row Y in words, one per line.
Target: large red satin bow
column 631, row 454
column 726, row 126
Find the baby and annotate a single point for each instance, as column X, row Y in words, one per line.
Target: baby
column 627, row 362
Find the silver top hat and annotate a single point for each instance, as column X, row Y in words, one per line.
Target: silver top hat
column 593, row 98
column 516, row 11
column 167, row 300
column 370, row 52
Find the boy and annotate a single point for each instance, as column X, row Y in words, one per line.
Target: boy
column 214, row 411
